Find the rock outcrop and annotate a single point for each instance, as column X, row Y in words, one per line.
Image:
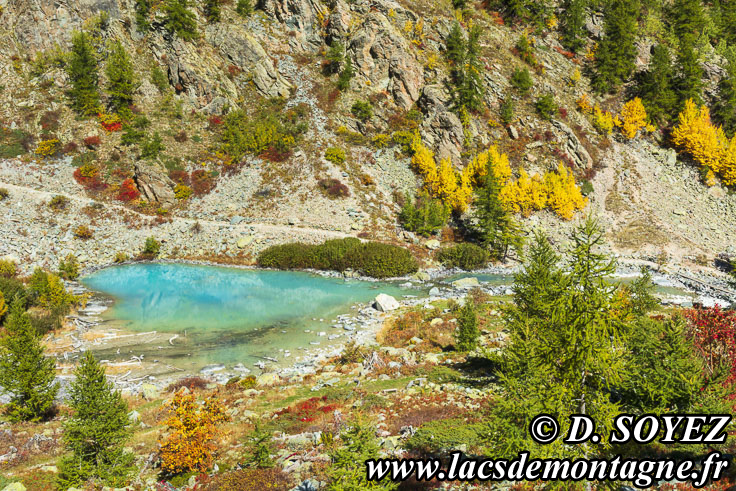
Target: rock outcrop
column 154, row 185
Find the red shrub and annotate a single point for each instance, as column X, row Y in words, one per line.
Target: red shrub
column 714, row 333
column 202, row 182
column 92, row 141
column 334, row 188
column 180, row 177
column 215, row 121
column 181, row 137
column 563, row 113
column 70, row 147
column 128, row 191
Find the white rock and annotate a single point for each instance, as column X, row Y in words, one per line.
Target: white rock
column 385, row 303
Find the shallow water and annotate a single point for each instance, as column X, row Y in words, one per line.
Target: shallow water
column 228, row 315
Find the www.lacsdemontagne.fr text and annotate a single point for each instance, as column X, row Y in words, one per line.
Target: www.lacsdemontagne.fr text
column 641, row 472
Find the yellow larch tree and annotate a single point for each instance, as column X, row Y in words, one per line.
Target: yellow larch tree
column 525, row 194
column 563, row 195
column 633, row 118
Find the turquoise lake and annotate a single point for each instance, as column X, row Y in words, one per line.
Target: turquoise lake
column 228, row 315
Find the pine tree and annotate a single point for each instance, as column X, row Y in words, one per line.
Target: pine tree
column 687, row 18
column 664, row 373
column 82, row 70
column 517, row 9
column 25, row 372
column 346, row 75
column 689, row 79
column 572, row 24
column 335, row 57
column 496, row 228
column 122, row 81
column 617, row 52
column 180, row 20
column 97, row 431
column 142, row 11
column 455, row 45
column 212, row 10
column 347, row 472
column 724, row 111
column 467, row 333
column 466, row 67
column 727, row 10
column 656, row 86
column 244, row 8
column 565, row 351
column 507, row 110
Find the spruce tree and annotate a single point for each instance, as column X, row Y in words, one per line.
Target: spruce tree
column 343, row 81
column 517, row 9
column 121, row 79
column 496, row 228
column 212, row 10
column 25, row 372
column 467, row 333
column 727, row 12
column 572, row 24
column 97, row 431
column 335, row 57
column 656, row 86
column 347, row 472
column 180, row 20
column 142, row 11
column 455, row 45
column 689, row 79
column 82, row 71
column 724, row 111
column 687, row 18
column 617, row 52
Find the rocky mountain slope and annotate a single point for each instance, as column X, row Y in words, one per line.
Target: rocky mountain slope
column 650, row 200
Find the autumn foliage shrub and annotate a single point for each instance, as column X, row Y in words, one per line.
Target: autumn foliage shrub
column 190, row 442
column 47, row 148
column 92, row 141
column 128, row 191
column 333, row 188
column 83, row 232
column 705, row 143
column 713, row 331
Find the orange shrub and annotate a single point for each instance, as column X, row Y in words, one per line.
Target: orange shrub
column 190, row 442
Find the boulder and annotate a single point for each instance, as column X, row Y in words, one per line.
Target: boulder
column 432, row 244
column 154, row 184
column 463, row 283
column 14, row 486
column 302, row 17
column 385, row 303
column 150, row 392
column 267, row 379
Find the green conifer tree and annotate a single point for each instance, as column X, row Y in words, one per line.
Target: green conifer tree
column 572, row 24
column 121, row 79
column 142, row 11
column 617, row 52
column 97, row 431
column 82, row 70
column 689, row 79
column 455, row 45
column 212, row 10
column 335, row 57
column 496, row 228
column 244, row 8
column 727, row 19
column 467, row 333
column 656, row 86
column 724, row 111
column 347, row 472
column 346, row 75
column 687, row 18
column 180, row 20
column 25, row 372
column 565, row 351
column 507, row 110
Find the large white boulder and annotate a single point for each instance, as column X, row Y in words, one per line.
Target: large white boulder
column 385, row 303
